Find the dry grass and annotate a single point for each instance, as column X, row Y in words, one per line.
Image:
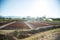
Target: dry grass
column 6, row 31
column 48, row 35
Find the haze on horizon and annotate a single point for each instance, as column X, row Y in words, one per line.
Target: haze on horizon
column 33, row 8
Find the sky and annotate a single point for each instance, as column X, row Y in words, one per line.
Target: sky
column 33, row 8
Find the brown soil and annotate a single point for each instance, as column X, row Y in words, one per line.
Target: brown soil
column 17, row 25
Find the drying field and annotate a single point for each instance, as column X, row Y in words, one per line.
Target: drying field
column 16, row 25
column 44, row 23
column 53, row 23
column 28, row 25
column 39, row 24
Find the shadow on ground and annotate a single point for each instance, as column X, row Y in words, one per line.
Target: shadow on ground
column 6, row 37
column 58, row 37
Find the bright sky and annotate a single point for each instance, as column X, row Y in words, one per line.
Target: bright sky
column 33, row 8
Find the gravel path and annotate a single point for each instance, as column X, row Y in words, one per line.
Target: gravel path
column 28, row 25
